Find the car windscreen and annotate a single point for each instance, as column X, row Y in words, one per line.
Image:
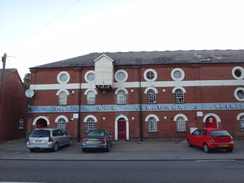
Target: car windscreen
column 95, row 134
column 219, row 133
column 40, row 133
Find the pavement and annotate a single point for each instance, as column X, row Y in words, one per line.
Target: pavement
column 121, row 151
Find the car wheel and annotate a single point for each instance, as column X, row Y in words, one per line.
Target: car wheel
column 108, row 148
column 55, row 147
column 206, row 148
column 229, row 149
column 189, row 143
column 32, row 150
column 70, row 142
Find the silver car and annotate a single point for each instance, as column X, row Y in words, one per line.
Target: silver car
column 48, row 138
column 97, row 139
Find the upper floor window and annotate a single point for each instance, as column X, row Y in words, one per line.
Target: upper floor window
column 179, row 96
column 121, row 76
column 177, row 74
column 62, row 98
column 151, row 96
column 238, row 72
column 91, row 97
column 121, row 97
column 90, row 76
column 239, row 94
column 150, row 75
column 63, row 77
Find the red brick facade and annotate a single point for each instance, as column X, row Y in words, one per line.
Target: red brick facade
column 208, row 92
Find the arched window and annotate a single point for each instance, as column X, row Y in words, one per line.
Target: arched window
column 61, row 123
column 151, row 97
column 242, row 123
column 121, row 97
column 90, row 124
column 179, row 96
column 91, row 97
column 152, row 125
column 180, row 124
column 62, row 98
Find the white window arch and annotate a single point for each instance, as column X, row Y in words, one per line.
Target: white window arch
column 239, row 94
column 238, row 73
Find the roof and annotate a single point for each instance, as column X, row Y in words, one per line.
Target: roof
column 153, row 58
column 6, row 72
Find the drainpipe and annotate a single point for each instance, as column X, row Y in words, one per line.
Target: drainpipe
column 79, row 107
column 140, row 103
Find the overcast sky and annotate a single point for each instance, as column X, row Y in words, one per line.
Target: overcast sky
column 35, row 32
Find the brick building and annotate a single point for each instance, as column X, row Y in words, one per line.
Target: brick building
column 141, row 95
column 12, row 106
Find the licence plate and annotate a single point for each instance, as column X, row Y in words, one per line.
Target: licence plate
column 38, row 140
column 223, row 145
column 94, row 141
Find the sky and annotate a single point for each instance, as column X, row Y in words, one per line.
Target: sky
column 36, row 32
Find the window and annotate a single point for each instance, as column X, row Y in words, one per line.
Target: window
column 121, row 97
column 91, row 97
column 179, row 96
column 151, row 97
column 242, row 123
column 177, row 74
column 62, row 98
column 152, row 125
column 238, row 73
column 90, row 124
column 21, row 124
column 90, row 76
column 180, row 124
column 150, row 75
column 61, row 123
column 239, row 94
column 63, row 77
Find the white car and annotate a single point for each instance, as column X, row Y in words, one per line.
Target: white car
column 48, row 138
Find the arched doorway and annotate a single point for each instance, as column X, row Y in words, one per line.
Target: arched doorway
column 121, row 128
column 41, row 122
column 211, row 122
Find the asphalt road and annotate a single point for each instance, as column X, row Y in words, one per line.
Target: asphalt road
column 200, row 171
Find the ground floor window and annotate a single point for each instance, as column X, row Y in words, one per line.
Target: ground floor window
column 181, row 124
column 242, row 123
column 152, row 125
column 61, row 123
column 90, row 124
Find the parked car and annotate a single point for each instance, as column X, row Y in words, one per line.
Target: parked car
column 48, row 138
column 211, row 138
column 96, row 140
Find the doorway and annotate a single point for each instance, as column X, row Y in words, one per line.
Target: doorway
column 41, row 123
column 211, row 122
column 121, row 129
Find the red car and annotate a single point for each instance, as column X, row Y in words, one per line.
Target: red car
column 211, row 138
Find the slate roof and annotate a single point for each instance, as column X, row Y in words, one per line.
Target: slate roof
column 154, row 58
column 6, row 72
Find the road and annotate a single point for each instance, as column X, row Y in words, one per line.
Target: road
column 122, row 171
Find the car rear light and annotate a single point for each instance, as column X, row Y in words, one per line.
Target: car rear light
column 84, row 140
column 103, row 140
column 50, row 139
column 231, row 139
